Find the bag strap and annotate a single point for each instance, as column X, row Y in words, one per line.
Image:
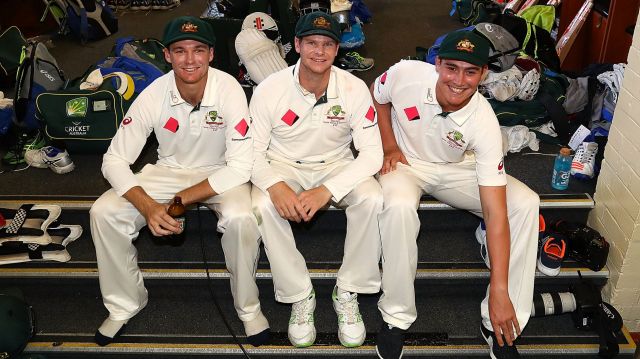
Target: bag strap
column 557, row 114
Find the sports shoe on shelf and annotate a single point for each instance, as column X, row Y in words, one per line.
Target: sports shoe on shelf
column 551, row 254
column 123, row 4
column 164, row 4
column 26, row 142
column 389, row 342
column 140, row 5
column 56, row 159
column 584, row 161
column 352, row 61
column 496, row 351
column 351, row 331
column 112, row 4
column 481, row 237
column 302, row 331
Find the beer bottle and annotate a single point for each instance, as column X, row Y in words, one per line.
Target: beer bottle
column 178, row 211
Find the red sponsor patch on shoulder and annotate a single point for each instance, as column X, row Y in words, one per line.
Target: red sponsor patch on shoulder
column 126, row 121
column 501, row 165
column 171, row 125
column 242, row 127
column 371, row 114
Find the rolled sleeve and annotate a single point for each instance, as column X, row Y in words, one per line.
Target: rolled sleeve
column 127, row 144
column 239, row 143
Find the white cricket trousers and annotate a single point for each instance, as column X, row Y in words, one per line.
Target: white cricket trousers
column 456, row 185
column 359, row 272
column 115, row 224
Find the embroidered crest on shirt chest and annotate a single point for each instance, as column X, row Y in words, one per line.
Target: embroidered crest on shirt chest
column 335, row 115
column 213, row 121
column 455, row 140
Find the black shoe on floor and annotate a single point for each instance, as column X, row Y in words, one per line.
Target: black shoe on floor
column 103, row 340
column 496, row 351
column 389, row 342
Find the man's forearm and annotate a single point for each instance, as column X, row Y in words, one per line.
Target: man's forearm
column 196, row 193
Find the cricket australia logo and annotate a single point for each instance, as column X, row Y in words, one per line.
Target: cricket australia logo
column 77, row 107
column 77, row 129
column 465, row 45
column 454, row 140
column 335, row 115
column 213, row 120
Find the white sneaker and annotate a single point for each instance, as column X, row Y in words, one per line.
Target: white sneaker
column 56, row 159
column 301, row 331
column 584, row 161
column 481, row 237
column 351, row 331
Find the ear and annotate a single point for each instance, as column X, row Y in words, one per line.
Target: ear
column 485, row 73
column 165, row 51
column 211, row 53
column 438, row 63
column 296, row 42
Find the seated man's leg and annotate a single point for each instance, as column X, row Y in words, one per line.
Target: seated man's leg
column 291, row 280
column 115, row 224
column 399, row 226
column 359, row 272
column 459, row 188
column 241, row 247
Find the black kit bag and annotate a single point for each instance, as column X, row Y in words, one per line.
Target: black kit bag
column 544, row 107
column 17, row 323
column 534, row 40
column 471, row 12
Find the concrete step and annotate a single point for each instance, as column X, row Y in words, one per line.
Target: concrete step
column 180, row 320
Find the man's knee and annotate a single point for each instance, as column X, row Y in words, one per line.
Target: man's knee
column 369, row 193
column 526, row 200
column 104, row 207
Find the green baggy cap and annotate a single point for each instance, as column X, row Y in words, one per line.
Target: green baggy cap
column 465, row 46
column 318, row 23
column 188, row 28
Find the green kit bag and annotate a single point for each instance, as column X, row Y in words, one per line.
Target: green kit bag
column 85, row 120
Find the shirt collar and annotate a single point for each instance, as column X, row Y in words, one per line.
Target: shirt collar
column 208, row 99
column 460, row 116
column 332, row 87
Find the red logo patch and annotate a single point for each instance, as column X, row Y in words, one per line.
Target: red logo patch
column 383, row 78
column 242, row 127
column 126, row 121
column 412, row 113
column 172, row 125
column 371, row 114
column 501, row 165
column 290, row 118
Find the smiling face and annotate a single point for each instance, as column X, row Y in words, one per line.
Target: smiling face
column 457, row 82
column 189, row 60
column 317, row 53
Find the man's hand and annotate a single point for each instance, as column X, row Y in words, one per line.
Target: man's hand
column 159, row 222
column 286, row 202
column 503, row 316
column 314, row 199
column 391, row 159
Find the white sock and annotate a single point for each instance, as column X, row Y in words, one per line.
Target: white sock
column 257, row 325
column 110, row 327
column 343, row 293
